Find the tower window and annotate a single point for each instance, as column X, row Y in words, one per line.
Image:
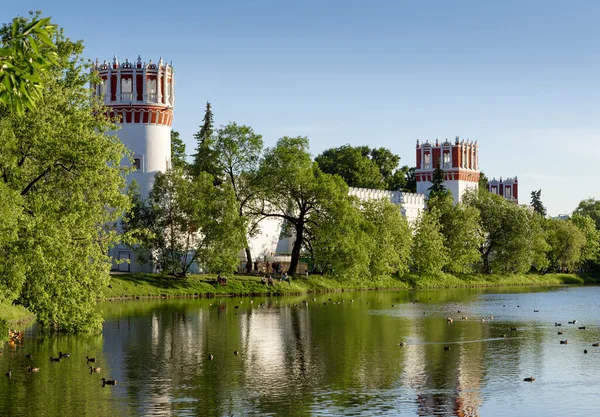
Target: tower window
column 507, row 192
column 152, row 96
column 494, row 189
column 446, row 159
column 126, row 89
column 427, row 161
column 137, row 164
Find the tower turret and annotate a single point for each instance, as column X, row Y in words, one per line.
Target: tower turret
column 458, row 160
column 141, row 96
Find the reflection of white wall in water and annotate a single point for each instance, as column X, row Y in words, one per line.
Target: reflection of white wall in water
column 262, row 338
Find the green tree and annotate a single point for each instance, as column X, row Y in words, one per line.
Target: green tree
column 566, row 242
column 357, row 169
column 390, row 238
column 27, row 52
column 293, row 188
column 536, row 202
column 429, row 253
column 239, row 150
column 437, row 181
column 508, row 236
column 61, row 178
column 187, row 220
column 590, row 252
column 461, row 228
column 206, row 158
column 177, row 151
column 483, row 182
column 590, row 207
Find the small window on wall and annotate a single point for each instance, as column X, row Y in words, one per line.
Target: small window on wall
column 137, row 164
column 446, row 159
column 427, row 161
column 126, row 89
column 507, row 192
column 494, row 189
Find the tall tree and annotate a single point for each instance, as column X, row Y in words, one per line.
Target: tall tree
column 206, row 158
column 239, row 150
column 61, row 176
column 437, row 181
column 460, row 226
column 293, row 188
column 510, row 243
column 187, row 220
column 177, row 151
column 483, row 182
column 390, row 238
column 429, row 253
column 566, row 242
column 536, row 202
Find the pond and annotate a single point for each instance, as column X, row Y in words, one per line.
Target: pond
column 322, row 355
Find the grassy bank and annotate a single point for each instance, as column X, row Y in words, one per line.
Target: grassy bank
column 13, row 317
column 152, row 285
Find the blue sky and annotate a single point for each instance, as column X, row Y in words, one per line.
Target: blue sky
column 521, row 77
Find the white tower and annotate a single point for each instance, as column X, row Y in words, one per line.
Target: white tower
column 141, row 96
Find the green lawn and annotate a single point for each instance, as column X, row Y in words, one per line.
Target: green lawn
column 153, row 285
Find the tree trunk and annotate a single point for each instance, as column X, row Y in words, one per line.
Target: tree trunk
column 248, row 261
column 296, row 248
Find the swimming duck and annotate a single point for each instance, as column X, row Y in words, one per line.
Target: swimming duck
column 54, row 359
column 559, row 332
column 595, row 344
column 235, row 352
column 402, row 344
column 8, row 374
column 513, row 329
column 210, row 357
column 529, row 379
column 450, row 320
column 581, row 328
column 109, row 381
column 88, row 359
column 446, row 347
column 564, row 342
column 94, row 369
column 585, row 351
column 32, row 369
column 64, row 355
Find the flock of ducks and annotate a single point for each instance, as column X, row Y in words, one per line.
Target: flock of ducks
column 528, row 379
column 15, row 336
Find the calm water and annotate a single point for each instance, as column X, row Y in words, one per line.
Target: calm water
column 327, row 357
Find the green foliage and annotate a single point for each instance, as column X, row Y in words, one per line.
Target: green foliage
column 27, row 51
column 590, row 252
column 187, row 220
column 293, row 188
column 349, row 162
column 566, row 241
column 177, row 152
column 510, row 240
column 483, row 182
column 364, row 167
column 437, row 181
column 591, row 208
column 429, row 254
column 61, row 192
column 206, row 158
column 536, row 203
column 239, row 150
column 389, row 236
column 460, row 225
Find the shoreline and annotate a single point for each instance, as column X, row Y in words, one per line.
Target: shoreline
column 128, row 287
column 142, row 285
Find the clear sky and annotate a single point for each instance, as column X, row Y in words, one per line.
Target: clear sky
column 521, row 77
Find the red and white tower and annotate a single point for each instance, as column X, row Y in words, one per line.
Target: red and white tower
column 459, row 161
column 507, row 188
column 141, row 96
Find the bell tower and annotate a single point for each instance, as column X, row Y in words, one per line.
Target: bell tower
column 458, row 160
column 141, row 96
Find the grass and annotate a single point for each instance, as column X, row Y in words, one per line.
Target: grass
column 12, row 317
column 153, row 285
